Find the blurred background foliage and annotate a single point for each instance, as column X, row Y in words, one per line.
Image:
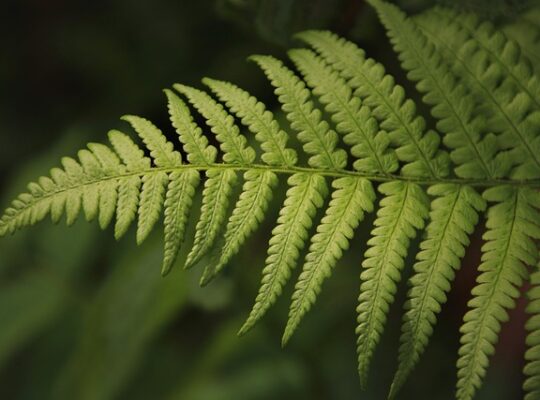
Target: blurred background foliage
column 84, row 317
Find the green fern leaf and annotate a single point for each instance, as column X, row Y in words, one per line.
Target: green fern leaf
column 396, row 114
column 319, row 140
column 234, row 146
column 492, row 78
column 350, row 199
column 151, row 202
column 90, row 164
column 195, row 143
column 485, row 100
column 111, row 166
column 128, row 191
column 107, row 158
column 257, row 190
column 512, row 225
column 153, row 184
column 236, row 150
column 108, row 196
column 246, row 216
column 216, row 194
column 178, row 201
column 259, row 121
column 132, row 156
column 402, row 212
column 453, row 216
column 360, row 130
column 90, row 202
column 502, row 51
column 73, row 172
column 305, row 195
column 161, row 151
column 452, row 105
column 90, row 198
column 127, row 204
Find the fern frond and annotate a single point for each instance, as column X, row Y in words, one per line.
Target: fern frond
column 235, row 150
column 108, row 197
column 132, row 156
column 178, row 201
column 161, row 151
column 453, row 106
column 151, row 202
column 248, row 213
column 512, row 224
column 73, row 172
column 216, row 197
column 353, row 121
column 259, row 121
column 532, row 368
column 106, row 157
column 453, row 216
column 305, row 195
column 121, row 181
column 195, row 143
column 486, row 103
column 396, row 114
column 68, row 201
column 128, row 191
column 492, row 79
column 502, row 51
column 153, row 185
column 257, row 190
column 319, row 140
column 402, row 212
column 522, row 32
column 109, row 190
column 127, row 204
column 351, row 198
column 232, row 143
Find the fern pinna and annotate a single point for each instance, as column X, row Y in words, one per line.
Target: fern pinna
column 366, row 150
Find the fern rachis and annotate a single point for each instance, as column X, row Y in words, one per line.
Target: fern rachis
column 433, row 185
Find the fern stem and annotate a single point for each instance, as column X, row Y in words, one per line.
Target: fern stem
column 482, row 183
column 340, row 173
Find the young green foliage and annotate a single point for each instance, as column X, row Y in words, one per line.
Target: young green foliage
column 247, row 214
column 319, row 140
column 453, row 216
column 402, row 212
column 501, row 80
column 353, row 120
column 396, row 113
column 513, row 224
column 484, row 95
column 216, row 197
column 305, row 195
column 259, row 121
column 180, row 193
column 453, row 107
column 351, row 198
